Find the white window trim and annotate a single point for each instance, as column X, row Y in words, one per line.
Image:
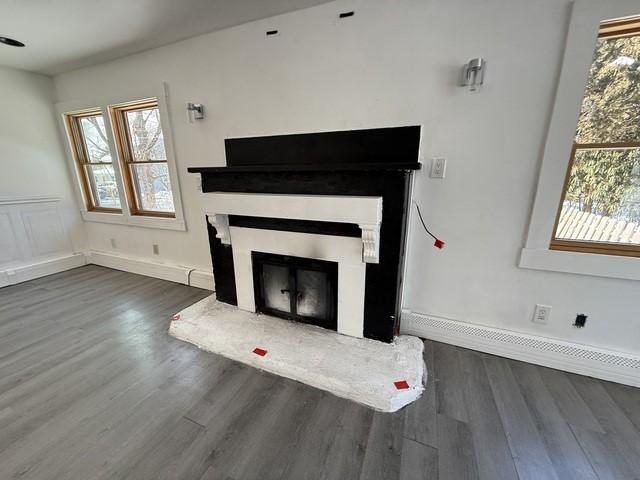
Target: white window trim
column 581, row 41
column 125, row 218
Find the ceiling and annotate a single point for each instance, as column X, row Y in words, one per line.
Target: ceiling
column 62, row 35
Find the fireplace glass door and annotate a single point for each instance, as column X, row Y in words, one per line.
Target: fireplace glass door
column 296, row 288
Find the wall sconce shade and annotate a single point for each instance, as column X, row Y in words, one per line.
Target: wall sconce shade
column 195, row 111
column 473, row 74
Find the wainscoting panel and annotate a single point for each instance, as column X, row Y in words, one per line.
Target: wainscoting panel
column 33, row 239
column 45, row 231
column 9, row 251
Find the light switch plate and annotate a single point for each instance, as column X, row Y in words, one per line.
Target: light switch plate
column 438, row 167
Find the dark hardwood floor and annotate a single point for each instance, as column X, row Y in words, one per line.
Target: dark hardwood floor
column 92, row 387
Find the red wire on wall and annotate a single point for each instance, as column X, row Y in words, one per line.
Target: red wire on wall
column 438, row 243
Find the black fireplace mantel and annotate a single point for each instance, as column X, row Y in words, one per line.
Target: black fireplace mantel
column 327, row 167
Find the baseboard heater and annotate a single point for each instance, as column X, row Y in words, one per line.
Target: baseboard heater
column 571, row 357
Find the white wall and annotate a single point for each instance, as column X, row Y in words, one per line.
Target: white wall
column 396, row 62
column 31, row 154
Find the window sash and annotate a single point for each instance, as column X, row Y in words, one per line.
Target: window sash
column 78, row 144
column 126, row 155
column 586, row 246
column 620, row 28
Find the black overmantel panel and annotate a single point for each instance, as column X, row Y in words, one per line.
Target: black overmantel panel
column 365, row 163
column 373, row 146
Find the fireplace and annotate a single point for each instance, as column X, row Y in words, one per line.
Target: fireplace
column 296, row 288
column 311, row 227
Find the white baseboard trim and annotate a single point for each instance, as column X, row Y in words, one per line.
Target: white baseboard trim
column 149, row 268
column 202, row 279
column 42, row 268
column 571, row 357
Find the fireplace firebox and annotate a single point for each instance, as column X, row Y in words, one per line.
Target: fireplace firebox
column 295, row 288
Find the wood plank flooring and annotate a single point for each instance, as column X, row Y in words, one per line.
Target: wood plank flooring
column 92, row 387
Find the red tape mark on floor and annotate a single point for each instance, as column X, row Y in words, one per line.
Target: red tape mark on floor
column 401, row 384
column 176, row 317
column 259, row 351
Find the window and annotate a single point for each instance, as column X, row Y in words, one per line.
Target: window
column 125, row 166
column 600, row 207
column 94, row 163
column 139, row 139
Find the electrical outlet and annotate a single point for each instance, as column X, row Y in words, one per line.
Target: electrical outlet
column 156, row 249
column 199, row 183
column 438, row 167
column 541, row 314
column 581, row 320
column 113, row 243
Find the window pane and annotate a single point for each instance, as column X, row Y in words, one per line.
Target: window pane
column 602, row 202
column 146, row 135
column 313, row 294
column 95, row 138
column 611, row 104
column 276, row 287
column 102, row 179
column 153, row 187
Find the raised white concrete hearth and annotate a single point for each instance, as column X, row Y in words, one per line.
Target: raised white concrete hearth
column 362, row 370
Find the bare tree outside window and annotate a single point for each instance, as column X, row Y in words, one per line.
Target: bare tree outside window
column 152, row 179
column 95, row 138
column 88, row 139
column 141, row 144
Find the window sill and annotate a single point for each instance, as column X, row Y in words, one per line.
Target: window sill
column 627, row 268
column 165, row 223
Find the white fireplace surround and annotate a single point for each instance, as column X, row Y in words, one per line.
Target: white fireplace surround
column 350, row 253
column 366, row 212
column 343, row 250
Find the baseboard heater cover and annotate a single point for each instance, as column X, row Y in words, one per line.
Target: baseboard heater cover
column 572, row 357
column 141, row 266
